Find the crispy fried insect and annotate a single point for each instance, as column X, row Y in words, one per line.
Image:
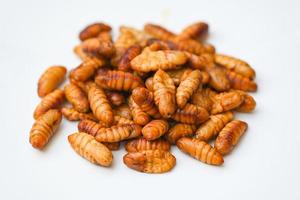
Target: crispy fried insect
column 153, row 60
column 77, row 98
column 203, row 98
column 122, row 120
column 142, row 144
column 191, row 114
column 149, row 83
column 105, row 36
column 87, row 69
column 197, row 31
column 90, row 127
column 180, row 130
column 205, row 77
column 229, row 136
column 51, row 101
column 218, row 79
column 44, row 128
column 117, row 80
column 158, row 32
column 213, row 126
column 93, row 30
column 87, row 147
column 80, row 53
column 115, row 98
column 100, row 105
column 73, row 115
column 156, row 44
column 113, row 146
column 226, row 101
column 145, row 100
column 191, row 46
column 201, row 62
column 123, row 111
column 200, row 150
column 240, row 82
column 98, row 48
column 237, row 65
column 150, row 161
column 164, row 93
column 139, row 117
column 50, row 79
column 187, row 88
column 129, row 54
column 249, row 103
column 154, row 129
column 179, row 75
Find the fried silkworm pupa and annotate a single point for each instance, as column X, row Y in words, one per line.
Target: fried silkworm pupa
column 218, row 79
column 122, row 120
column 197, row 31
column 129, row 54
column 139, row 116
column 100, row 105
column 87, row 68
column 87, row 147
column 191, row 114
column 51, row 101
column 123, row 111
column 90, row 127
column 249, row 103
column 178, row 75
column 73, row 115
column 180, row 130
column 205, row 77
column 150, row 161
column 145, row 100
column 153, row 60
column 200, row 150
column 115, row 98
column 80, row 53
column 187, row 87
column 213, row 126
column 50, row 79
column 93, row 30
column 149, row 84
column 98, row 48
column 237, row 65
column 226, row 101
column 113, row 146
column 154, row 129
column 142, row 144
column 203, row 98
column 77, row 98
column 156, row 44
column 204, row 61
column 117, row 80
column 158, row 32
column 44, row 128
column 240, row 82
column 229, row 136
column 164, row 93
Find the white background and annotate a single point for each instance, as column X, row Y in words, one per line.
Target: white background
column 265, row 164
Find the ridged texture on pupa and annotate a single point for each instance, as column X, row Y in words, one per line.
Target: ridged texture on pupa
column 191, row 114
column 218, row 79
column 90, row 127
column 51, row 101
column 123, row 111
column 230, row 135
column 98, row 48
column 129, row 54
column 44, row 128
column 164, row 93
column 187, row 87
column 139, row 116
column 150, row 161
column 192, row 46
column 153, row 60
column 203, row 97
column 122, row 120
column 226, row 101
column 237, row 65
column 157, row 44
column 77, row 98
column 87, row 68
column 155, row 129
column 197, row 31
column 158, row 32
column 87, row 147
column 145, row 100
column 50, row 79
column 177, row 75
column 100, row 105
column 149, row 84
column 142, row 144
column 113, row 146
column 117, row 80
column 213, row 126
column 180, row 130
column 240, row 82
column 249, row 103
column 73, row 115
column 201, row 62
column 115, row 98
column 200, row 150
column 93, row 30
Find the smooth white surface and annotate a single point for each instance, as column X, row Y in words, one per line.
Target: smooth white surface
column 266, row 163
